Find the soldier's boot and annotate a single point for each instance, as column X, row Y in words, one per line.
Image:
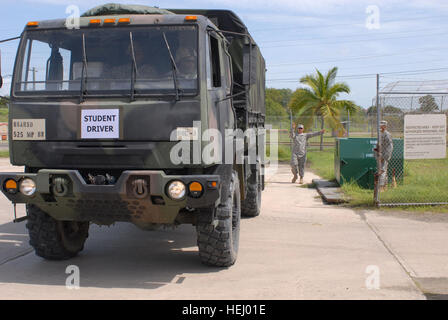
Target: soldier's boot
column 301, row 180
column 294, row 179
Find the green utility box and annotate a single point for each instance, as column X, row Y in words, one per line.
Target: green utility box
column 354, row 160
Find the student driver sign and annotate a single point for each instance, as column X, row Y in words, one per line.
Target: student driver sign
column 100, row 124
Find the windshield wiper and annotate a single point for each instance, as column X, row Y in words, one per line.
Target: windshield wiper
column 174, row 67
column 134, row 68
column 84, row 69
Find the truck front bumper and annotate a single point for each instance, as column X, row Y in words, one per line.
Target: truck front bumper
column 139, row 197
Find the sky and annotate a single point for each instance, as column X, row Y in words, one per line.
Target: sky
column 404, row 40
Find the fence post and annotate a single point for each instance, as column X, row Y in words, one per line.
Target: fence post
column 322, row 136
column 291, row 132
column 376, row 192
column 348, row 124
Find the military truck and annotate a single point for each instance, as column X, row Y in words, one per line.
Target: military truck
column 99, row 104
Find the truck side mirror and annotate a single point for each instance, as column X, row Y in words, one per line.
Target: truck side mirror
column 1, row 78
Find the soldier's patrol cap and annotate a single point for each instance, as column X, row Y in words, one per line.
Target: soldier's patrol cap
column 300, row 126
column 383, row 123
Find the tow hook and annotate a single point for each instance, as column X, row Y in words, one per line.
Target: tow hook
column 60, row 186
column 140, row 188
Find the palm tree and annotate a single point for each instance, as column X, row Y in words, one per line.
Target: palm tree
column 320, row 99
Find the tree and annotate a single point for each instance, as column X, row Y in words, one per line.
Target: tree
column 276, row 105
column 389, row 109
column 4, row 101
column 274, row 109
column 277, row 101
column 392, row 110
column 428, row 104
column 281, row 96
column 320, row 99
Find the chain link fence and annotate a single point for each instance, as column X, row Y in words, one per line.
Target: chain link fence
column 362, row 125
column 411, row 175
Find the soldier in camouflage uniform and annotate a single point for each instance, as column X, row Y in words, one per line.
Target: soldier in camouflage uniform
column 298, row 155
column 385, row 154
column 186, row 62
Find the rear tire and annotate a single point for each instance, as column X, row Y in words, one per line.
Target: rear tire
column 250, row 207
column 218, row 244
column 53, row 239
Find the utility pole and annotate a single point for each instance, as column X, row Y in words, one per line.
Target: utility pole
column 348, row 124
column 34, row 70
column 290, row 120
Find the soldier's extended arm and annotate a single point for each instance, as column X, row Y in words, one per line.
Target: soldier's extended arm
column 314, row 134
column 292, row 131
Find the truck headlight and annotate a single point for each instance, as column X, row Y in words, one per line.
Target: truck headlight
column 27, row 187
column 176, row 190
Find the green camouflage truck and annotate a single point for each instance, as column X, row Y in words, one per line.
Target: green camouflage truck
column 117, row 118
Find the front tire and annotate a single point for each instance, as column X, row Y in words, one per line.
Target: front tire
column 218, row 243
column 53, row 239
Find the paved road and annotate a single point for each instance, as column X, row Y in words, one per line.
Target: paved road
column 298, row 248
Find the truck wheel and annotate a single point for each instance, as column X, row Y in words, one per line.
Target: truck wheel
column 53, row 239
column 218, row 244
column 250, row 206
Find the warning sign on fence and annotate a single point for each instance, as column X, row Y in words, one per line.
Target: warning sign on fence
column 425, row 136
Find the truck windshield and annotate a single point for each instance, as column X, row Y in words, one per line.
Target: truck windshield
column 51, row 61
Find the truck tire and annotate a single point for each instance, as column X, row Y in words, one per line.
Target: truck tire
column 250, row 206
column 218, row 243
column 263, row 183
column 53, row 239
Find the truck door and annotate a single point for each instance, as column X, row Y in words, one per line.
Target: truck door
column 217, row 85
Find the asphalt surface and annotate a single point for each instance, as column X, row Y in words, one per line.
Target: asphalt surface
column 298, row 248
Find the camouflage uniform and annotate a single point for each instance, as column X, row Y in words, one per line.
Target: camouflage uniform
column 183, row 56
column 387, row 148
column 298, row 156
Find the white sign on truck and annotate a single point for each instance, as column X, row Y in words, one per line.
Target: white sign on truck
column 425, row 136
column 100, row 124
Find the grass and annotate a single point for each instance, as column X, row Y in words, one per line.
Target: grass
column 423, row 181
column 284, row 153
column 357, row 196
column 4, row 154
column 3, row 114
column 322, row 163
